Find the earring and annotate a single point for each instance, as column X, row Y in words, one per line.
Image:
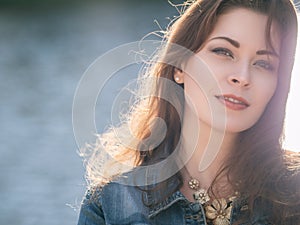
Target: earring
column 178, row 76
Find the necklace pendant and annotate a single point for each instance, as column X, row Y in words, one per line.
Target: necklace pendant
column 201, row 196
column 194, row 184
column 219, row 212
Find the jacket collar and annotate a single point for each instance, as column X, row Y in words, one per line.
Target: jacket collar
column 166, row 203
column 159, row 199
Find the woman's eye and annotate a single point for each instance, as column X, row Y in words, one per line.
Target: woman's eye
column 223, row 51
column 265, row 65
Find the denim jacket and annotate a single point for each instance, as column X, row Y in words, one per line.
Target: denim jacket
column 119, row 204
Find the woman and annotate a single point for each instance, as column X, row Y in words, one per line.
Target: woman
column 221, row 159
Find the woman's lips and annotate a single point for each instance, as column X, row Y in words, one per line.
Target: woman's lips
column 233, row 102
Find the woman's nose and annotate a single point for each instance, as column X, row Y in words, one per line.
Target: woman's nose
column 241, row 79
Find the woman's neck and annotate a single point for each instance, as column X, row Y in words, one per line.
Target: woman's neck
column 204, row 150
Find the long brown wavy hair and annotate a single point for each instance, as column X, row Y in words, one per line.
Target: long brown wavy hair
column 259, row 164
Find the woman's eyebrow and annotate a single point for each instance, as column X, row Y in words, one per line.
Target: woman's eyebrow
column 266, row 52
column 231, row 41
column 237, row 45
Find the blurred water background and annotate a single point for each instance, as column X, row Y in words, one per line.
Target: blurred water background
column 45, row 48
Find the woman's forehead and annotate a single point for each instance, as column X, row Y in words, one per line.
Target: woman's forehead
column 246, row 27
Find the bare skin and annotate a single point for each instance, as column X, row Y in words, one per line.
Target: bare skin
column 248, row 72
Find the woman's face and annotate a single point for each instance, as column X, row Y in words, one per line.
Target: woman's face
column 243, row 67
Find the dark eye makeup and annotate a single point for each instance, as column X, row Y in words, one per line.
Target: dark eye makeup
column 222, row 51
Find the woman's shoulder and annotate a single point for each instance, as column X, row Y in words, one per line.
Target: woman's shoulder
column 120, row 189
column 115, row 190
column 131, row 188
column 111, row 202
column 91, row 212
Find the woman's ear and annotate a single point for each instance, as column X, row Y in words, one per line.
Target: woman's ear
column 178, row 76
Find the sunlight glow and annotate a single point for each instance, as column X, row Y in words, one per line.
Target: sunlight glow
column 293, row 106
